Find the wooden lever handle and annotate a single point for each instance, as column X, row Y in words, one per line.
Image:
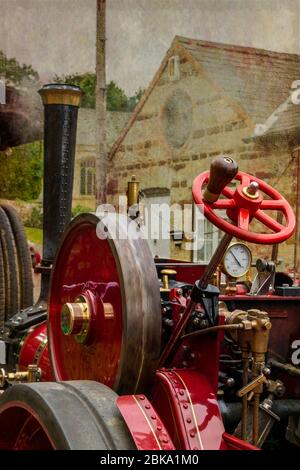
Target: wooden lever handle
column 222, row 170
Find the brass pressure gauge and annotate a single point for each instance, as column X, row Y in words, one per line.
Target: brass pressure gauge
column 237, row 260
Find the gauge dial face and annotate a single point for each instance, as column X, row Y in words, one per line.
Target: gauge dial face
column 237, row 260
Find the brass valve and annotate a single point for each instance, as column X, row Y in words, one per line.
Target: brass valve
column 33, row 374
column 254, row 336
column 253, row 340
column 165, row 277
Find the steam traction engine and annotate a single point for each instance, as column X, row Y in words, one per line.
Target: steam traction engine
column 117, row 354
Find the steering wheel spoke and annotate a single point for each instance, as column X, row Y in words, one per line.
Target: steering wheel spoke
column 224, row 204
column 272, row 204
column 243, row 219
column 268, row 221
column 245, row 180
column 228, row 192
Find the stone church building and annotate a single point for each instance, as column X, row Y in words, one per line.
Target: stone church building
column 84, row 172
column 208, row 99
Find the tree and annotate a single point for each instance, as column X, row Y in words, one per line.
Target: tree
column 14, row 72
column 116, row 98
column 21, row 172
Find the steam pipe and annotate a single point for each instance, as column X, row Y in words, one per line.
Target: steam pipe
column 61, row 103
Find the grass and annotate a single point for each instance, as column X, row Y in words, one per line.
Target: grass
column 35, row 235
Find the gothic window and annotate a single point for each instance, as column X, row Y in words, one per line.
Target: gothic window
column 87, row 177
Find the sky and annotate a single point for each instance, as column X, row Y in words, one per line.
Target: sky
column 58, row 36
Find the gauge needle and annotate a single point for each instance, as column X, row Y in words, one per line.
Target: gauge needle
column 235, row 257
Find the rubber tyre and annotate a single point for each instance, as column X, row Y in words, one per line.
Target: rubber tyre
column 9, row 253
column 76, row 415
column 2, row 289
column 24, row 259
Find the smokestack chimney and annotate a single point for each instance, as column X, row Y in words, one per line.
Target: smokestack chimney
column 61, row 103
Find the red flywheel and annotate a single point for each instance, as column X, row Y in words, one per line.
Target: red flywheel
column 104, row 316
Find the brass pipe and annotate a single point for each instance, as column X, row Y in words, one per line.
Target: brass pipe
column 213, row 329
column 297, row 231
column 255, row 428
column 245, row 397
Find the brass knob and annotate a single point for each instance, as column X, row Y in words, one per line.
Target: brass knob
column 75, row 318
column 165, row 277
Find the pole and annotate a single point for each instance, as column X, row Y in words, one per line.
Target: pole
column 101, row 150
column 296, row 245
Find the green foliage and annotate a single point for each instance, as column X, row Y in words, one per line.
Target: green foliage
column 21, row 172
column 34, row 235
column 116, row 99
column 80, row 210
column 14, row 72
column 35, row 218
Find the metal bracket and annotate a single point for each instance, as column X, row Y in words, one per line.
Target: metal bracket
column 209, row 299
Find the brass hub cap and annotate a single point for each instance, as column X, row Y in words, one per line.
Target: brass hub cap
column 75, row 319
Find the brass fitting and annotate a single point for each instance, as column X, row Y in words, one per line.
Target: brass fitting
column 165, row 277
column 33, row 374
column 253, row 340
column 255, row 334
column 261, row 326
column 251, row 191
column 133, row 188
column 75, row 319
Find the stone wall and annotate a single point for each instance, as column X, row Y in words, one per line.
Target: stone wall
column 218, row 126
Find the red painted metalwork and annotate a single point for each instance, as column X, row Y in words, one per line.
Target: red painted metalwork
column 188, row 406
column 21, row 429
column 86, row 266
column 186, row 272
column 34, row 350
column 241, row 209
column 146, row 427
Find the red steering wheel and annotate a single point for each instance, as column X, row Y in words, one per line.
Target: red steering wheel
column 244, row 204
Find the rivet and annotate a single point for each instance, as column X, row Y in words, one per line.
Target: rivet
column 153, row 417
column 142, row 397
column 192, row 434
column 165, row 441
column 147, row 407
column 175, row 382
column 188, row 420
column 181, row 392
column 185, row 406
column 195, row 448
column 159, row 428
